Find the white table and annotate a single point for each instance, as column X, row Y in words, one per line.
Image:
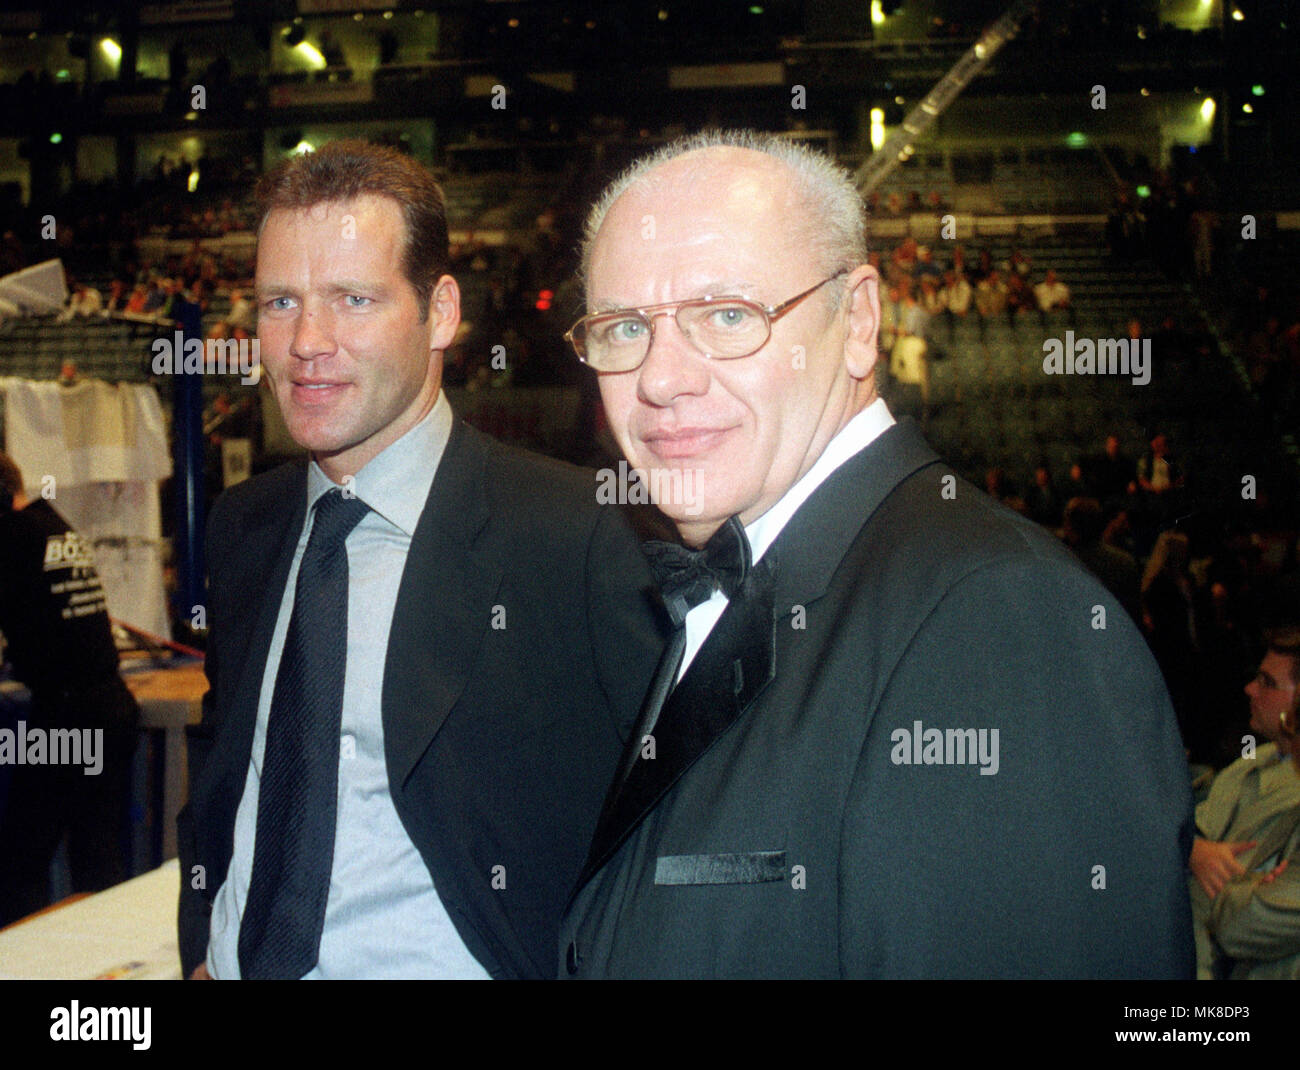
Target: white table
column 126, row 932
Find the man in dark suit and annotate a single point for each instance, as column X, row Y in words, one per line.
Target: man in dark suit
column 426, row 648
column 900, row 731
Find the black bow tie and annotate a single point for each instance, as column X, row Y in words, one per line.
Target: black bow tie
column 689, row 577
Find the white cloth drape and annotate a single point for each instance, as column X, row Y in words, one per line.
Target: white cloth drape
column 97, row 451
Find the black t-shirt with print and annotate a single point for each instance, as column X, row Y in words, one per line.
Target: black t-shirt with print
column 52, row 607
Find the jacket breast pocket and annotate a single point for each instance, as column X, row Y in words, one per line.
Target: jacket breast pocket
column 747, row 867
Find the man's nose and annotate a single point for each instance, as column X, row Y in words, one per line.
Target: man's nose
column 673, row 366
column 313, row 335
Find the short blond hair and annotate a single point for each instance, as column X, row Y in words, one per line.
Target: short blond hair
column 836, row 215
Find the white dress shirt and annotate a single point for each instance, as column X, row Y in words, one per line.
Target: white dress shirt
column 853, row 437
column 383, row 917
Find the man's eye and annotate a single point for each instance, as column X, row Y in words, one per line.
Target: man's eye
column 729, row 317
column 277, row 304
column 356, row 301
column 621, row 332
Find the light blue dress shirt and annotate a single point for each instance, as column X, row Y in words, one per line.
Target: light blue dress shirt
column 383, row 917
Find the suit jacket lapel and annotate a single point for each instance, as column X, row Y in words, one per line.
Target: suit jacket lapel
column 439, row 619
column 736, row 662
column 738, row 659
column 814, row 541
column 269, row 538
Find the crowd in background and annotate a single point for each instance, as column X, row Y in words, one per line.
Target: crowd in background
column 1202, row 584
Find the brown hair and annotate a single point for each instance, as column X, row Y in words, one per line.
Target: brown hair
column 344, row 170
column 1286, row 641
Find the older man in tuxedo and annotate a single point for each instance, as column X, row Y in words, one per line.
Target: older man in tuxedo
column 898, row 731
column 425, row 648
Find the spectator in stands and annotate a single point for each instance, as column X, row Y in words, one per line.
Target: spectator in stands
column 1051, row 294
column 139, row 297
column 957, row 298
column 1076, row 486
column 925, row 265
column 1113, row 475
column 934, row 300
column 1119, row 534
column 904, row 258
column 83, row 301
column 1020, row 298
column 1042, row 501
column 1159, row 477
column 1083, row 526
column 1169, row 613
column 1249, row 803
column 158, row 296
column 997, row 485
column 909, row 359
column 990, row 298
column 174, row 290
column 117, row 296
column 1018, row 263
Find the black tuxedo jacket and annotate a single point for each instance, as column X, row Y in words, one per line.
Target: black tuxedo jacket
column 499, row 741
column 795, row 820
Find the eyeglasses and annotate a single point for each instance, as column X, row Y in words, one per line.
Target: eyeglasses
column 721, row 328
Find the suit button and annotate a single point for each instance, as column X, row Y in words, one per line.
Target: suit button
column 571, row 958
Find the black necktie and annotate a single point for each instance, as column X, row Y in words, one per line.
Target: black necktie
column 293, row 854
column 688, row 578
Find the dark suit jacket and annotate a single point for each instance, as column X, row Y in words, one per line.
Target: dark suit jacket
column 776, row 832
column 499, row 742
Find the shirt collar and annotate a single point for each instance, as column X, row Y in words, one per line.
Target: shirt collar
column 395, row 484
column 853, row 437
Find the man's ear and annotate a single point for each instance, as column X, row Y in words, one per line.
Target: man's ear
column 863, row 296
column 444, row 313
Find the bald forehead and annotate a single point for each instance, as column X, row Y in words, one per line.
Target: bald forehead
column 709, row 192
column 724, row 161
column 719, row 170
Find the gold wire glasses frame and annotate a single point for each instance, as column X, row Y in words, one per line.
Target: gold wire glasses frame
column 730, row 328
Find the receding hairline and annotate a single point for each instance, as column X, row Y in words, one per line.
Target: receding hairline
column 817, row 188
column 723, row 165
column 1284, row 641
column 709, row 158
column 331, row 202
